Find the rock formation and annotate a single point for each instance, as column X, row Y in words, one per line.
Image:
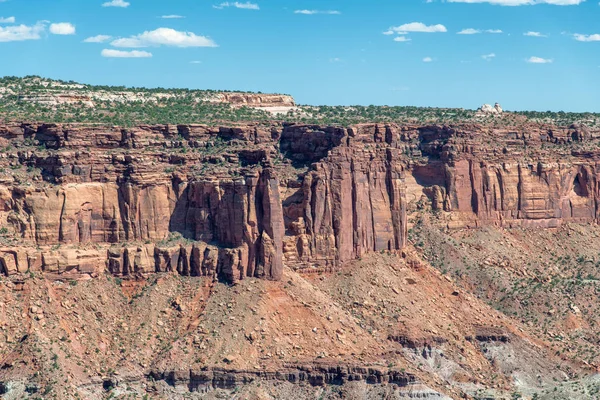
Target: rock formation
column 52, row 93
column 234, row 224
column 113, row 240
column 245, row 201
column 255, row 99
column 488, row 109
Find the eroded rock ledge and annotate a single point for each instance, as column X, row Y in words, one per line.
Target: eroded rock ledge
column 245, row 201
column 315, row 375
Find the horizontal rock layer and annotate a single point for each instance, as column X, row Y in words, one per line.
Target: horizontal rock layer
column 245, row 201
column 316, row 375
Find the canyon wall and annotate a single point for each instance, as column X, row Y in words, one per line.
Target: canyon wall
column 227, row 202
column 245, row 201
column 538, row 178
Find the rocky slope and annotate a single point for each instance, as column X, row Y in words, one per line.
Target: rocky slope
column 149, row 219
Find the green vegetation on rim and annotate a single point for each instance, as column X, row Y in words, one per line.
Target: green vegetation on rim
column 34, row 98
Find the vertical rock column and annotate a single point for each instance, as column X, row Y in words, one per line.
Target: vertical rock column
column 269, row 262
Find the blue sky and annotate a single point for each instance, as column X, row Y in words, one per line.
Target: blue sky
column 392, row 52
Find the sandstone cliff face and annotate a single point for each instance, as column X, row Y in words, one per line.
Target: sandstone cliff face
column 245, row 201
column 242, row 218
column 530, row 180
column 346, row 207
column 543, row 195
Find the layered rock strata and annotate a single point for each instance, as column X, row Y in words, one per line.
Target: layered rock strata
column 315, row 375
column 245, row 201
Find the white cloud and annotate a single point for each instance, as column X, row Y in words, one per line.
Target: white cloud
column 401, row 39
column 534, row 34
column 173, row 16
column 488, row 57
column 587, row 38
column 388, row 32
column 539, row 60
column 313, row 12
column 245, row 6
column 7, row 20
column 469, row 31
column 418, row 27
column 428, row 59
column 98, row 39
column 521, row 2
column 62, row 28
column 112, row 53
column 164, row 37
column 195, row 62
column 21, row 32
column 335, row 60
column 116, row 3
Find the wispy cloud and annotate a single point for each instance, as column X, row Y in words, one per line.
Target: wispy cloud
column 116, row 3
column 174, row 16
column 488, row 57
column 245, row 6
column 165, row 37
column 195, row 62
column 401, row 39
column 534, row 34
column 471, row 31
column 97, row 39
column 539, row 60
column 112, row 53
column 62, row 28
column 427, row 60
column 416, row 27
column 7, row 20
column 313, row 12
column 522, row 2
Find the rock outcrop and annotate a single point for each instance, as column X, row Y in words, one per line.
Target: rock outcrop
column 138, row 193
column 314, row 375
column 255, row 99
column 245, row 201
column 488, row 109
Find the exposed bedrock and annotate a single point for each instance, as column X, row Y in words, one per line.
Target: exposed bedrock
column 241, row 219
column 315, row 375
column 348, row 205
column 544, row 194
column 243, row 201
column 242, row 215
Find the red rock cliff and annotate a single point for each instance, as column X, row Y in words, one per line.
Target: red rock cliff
column 245, row 201
column 229, row 202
